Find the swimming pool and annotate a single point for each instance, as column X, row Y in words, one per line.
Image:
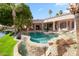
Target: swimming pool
column 40, row 37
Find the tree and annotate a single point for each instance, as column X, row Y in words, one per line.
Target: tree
column 13, row 7
column 15, row 14
column 60, row 12
column 18, row 15
column 23, row 16
column 5, row 14
column 50, row 12
column 57, row 14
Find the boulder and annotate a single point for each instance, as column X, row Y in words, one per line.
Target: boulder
column 51, row 51
column 60, row 42
column 50, row 43
column 70, row 41
column 61, row 50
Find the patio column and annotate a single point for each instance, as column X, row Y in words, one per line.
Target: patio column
column 67, row 25
column 42, row 27
column 34, row 27
column 59, row 26
column 53, row 26
column 74, row 24
column 70, row 25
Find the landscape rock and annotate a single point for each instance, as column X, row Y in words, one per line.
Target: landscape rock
column 51, row 51
column 70, row 41
column 35, row 49
column 60, row 42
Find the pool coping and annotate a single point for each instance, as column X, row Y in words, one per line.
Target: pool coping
column 34, row 43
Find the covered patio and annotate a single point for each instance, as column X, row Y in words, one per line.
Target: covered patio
column 54, row 24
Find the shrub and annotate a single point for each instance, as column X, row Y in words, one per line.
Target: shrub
column 7, row 43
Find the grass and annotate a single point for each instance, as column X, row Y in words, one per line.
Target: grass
column 7, row 44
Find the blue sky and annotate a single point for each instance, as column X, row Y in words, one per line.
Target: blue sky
column 40, row 10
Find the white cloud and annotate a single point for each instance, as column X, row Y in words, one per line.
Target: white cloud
column 40, row 9
column 66, row 11
column 61, row 4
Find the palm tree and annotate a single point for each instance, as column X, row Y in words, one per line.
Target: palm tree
column 60, row 12
column 23, row 16
column 50, row 12
column 57, row 14
column 13, row 7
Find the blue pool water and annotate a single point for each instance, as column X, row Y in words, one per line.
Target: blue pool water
column 40, row 37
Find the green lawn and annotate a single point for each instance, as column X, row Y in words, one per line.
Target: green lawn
column 7, row 44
